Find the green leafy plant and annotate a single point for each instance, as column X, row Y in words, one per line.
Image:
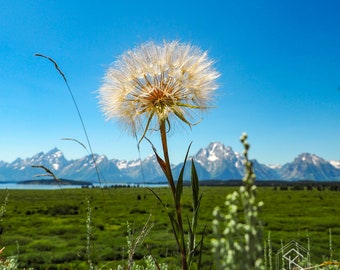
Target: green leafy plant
column 238, row 242
column 133, row 243
column 89, row 235
column 9, row 262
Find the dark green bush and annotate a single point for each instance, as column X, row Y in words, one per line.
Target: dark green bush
column 63, row 209
column 42, row 245
column 61, row 258
column 138, row 211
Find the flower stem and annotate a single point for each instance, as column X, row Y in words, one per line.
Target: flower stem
column 170, row 179
column 167, row 159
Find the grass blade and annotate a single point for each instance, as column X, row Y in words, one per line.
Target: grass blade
column 77, row 108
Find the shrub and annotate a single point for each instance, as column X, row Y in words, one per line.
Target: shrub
column 63, row 209
column 42, row 245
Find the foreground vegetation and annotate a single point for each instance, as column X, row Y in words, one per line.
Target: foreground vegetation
column 147, row 90
column 48, row 228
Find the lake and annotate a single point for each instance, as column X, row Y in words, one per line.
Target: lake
column 52, row 187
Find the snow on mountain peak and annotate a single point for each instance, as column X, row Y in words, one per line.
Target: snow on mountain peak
column 335, row 163
column 100, row 159
column 274, row 166
column 310, row 158
column 54, row 152
column 212, row 156
column 217, row 157
column 217, row 150
column 123, row 164
column 55, row 166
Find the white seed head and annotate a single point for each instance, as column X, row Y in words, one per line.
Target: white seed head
column 157, row 82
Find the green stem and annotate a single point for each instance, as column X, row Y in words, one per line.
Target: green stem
column 173, row 189
column 167, row 159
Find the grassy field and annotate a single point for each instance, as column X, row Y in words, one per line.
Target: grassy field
column 48, row 228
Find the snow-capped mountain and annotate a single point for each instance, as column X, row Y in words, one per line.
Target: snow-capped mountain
column 221, row 162
column 309, row 167
column 216, row 161
column 86, row 168
column 21, row 169
column 146, row 170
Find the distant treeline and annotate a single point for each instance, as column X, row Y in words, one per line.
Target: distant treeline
column 55, row 182
column 276, row 184
column 279, row 184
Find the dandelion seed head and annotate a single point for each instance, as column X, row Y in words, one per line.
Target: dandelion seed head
column 156, row 83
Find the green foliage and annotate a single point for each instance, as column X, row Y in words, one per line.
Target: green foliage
column 134, row 242
column 238, row 243
column 149, row 263
column 9, row 263
column 3, row 207
column 188, row 249
column 194, row 248
column 286, row 214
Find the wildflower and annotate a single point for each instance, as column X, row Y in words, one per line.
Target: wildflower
column 148, row 86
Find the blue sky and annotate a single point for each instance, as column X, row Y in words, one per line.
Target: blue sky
column 279, row 63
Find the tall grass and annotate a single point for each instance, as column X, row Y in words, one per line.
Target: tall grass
column 6, row 262
column 77, row 109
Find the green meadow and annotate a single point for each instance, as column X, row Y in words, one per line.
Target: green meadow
column 47, row 229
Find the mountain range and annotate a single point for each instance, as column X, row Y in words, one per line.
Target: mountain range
column 215, row 162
